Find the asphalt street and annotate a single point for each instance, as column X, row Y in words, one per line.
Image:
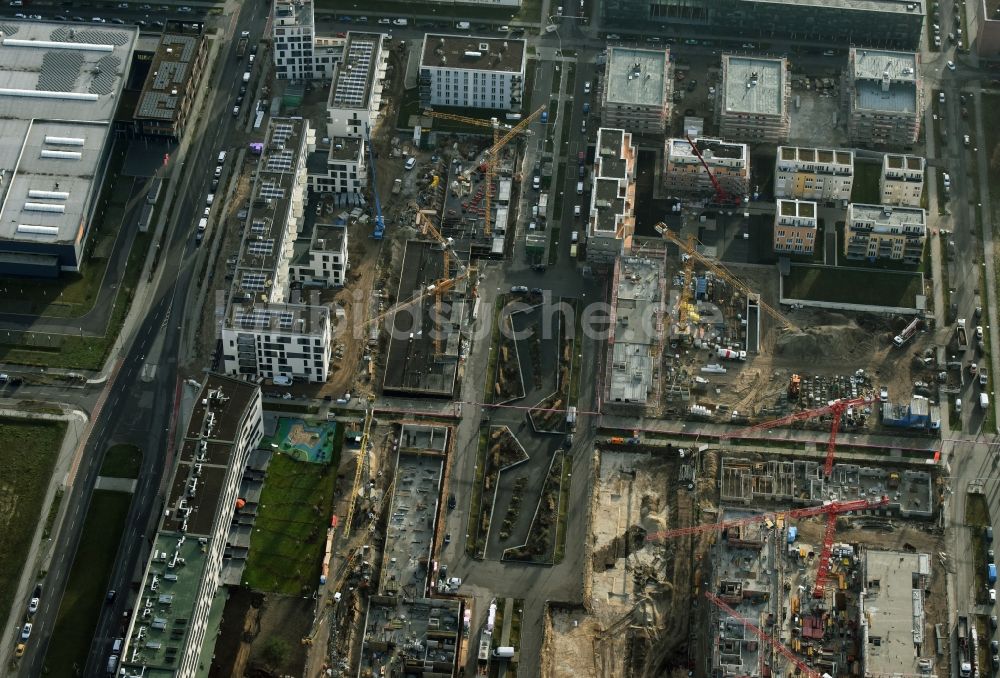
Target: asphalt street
column 139, row 411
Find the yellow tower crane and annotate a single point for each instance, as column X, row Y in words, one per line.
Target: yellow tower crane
column 723, row 273
column 493, row 153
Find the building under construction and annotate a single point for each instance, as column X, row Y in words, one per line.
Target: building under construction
column 636, row 331
column 425, row 336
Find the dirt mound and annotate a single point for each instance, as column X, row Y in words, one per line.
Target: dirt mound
column 833, row 342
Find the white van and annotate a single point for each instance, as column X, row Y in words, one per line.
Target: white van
column 202, row 224
column 222, row 157
column 210, row 199
column 574, row 237
column 112, row 663
column 576, row 211
column 463, row 25
column 958, row 404
column 984, row 401
column 246, row 76
column 116, row 647
column 579, row 188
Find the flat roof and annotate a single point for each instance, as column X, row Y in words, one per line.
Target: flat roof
column 710, row 149
column 753, row 85
column 885, row 217
column 293, row 12
column 354, row 75
column 609, row 193
column 914, row 7
column 168, row 77
column 893, row 606
column 472, row 53
column 884, row 80
column 913, row 163
column 278, row 317
column 637, row 77
column 638, row 293
column 823, row 156
column 797, row 208
column 59, row 90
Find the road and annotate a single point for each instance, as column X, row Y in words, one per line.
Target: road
column 137, row 411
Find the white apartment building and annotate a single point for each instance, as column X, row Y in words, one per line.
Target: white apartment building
column 472, row 72
column 170, row 618
column 611, row 217
column 795, row 224
column 267, row 330
column 884, row 96
column 902, row 180
column 882, row 232
column 819, row 174
column 322, row 258
column 356, row 88
column 342, row 168
column 298, row 55
column 729, row 162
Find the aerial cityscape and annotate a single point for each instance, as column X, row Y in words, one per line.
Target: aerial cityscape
column 619, row 339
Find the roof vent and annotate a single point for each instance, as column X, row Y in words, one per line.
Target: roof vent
column 484, row 46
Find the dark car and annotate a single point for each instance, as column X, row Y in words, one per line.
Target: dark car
column 451, row 501
column 110, row 598
column 38, row 591
column 447, row 539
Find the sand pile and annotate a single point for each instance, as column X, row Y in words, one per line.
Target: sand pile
column 832, row 342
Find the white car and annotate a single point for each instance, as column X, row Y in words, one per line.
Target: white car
column 966, row 140
column 26, row 629
column 947, row 179
column 245, row 34
column 883, row 394
column 99, row 20
column 937, row 40
column 993, row 600
column 951, row 65
column 454, row 582
column 33, row 606
column 941, row 97
column 586, row 87
column 385, row 22
column 979, row 332
column 236, row 111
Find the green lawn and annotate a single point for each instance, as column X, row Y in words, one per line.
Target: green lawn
column 475, row 546
column 87, row 585
column 866, row 180
column 122, row 461
column 849, row 285
column 28, row 453
column 286, row 549
column 567, row 467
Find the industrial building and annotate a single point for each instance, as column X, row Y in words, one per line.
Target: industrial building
column 425, row 337
column 356, row 88
column 883, row 97
column 171, row 85
column 61, row 84
column 819, row 174
column 883, row 232
column 902, row 180
column 636, row 330
column 267, row 330
column 753, row 99
column 637, row 90
column 729, row 162
column 169, row 623
column 611, row 217
column 472, row 72
column 795, row 225
column 298, row 53
column 894, row 24
column 891, row 613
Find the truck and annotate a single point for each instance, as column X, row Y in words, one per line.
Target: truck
column 900, row 339
column 543, row 203
column 961, row 335
column 729, row 354
column 964, row 656
column 991, row 574
column 241, row 48
column 984, row 403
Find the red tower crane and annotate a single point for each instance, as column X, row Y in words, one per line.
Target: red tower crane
column 833, row 508
column 763, row 636
column 837, row 409
column 721, row 195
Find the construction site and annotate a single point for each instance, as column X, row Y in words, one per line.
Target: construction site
column 829, row 572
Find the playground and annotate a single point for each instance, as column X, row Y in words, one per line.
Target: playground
column 311, row 442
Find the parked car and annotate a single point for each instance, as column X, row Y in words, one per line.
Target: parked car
column 33, row 605
column 26, row 631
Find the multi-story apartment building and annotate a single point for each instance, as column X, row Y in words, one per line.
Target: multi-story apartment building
column 986, row 28
column 753, row 99
column 884, row 97
column 298, row 55
column 266, row 330
column 817, row 174
column 356, row 89
column 902, row 180
column 321, row 256
column 611, row 218
column 171, row 85
column 795, row 226
column 729, row 162
column 895, row 24
column 883, row 232
column 472, row 72
column 169, row 621
column 637, row 90
column 341, row 168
